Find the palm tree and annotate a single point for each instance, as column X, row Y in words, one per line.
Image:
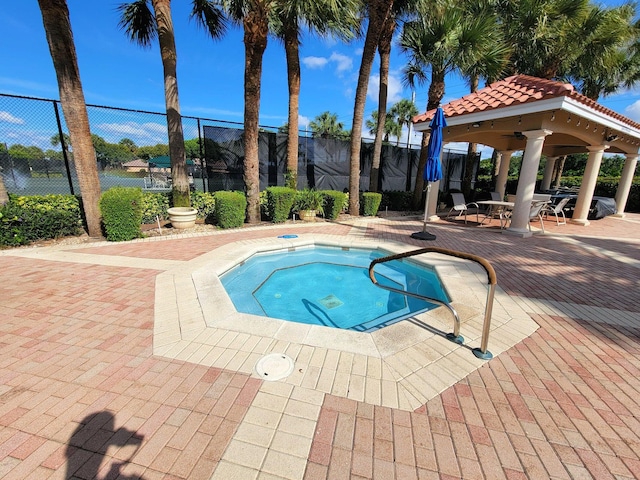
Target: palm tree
column 323, row 16
column 57, row 26
column 326, row 125
column 607, row 59
column 542, row 33
column 445, row 39
column 399, row 10
column 377, row 13
column 402, row 112
column 491, row 62
column 142, row 25
column 254, row 17
column 391, row 127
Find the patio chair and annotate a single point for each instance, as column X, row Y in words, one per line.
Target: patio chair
column 556, row 210
column 461, row 206
column 536, row 212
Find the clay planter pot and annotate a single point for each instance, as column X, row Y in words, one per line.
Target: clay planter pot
column 182, row 217
column 307, row 215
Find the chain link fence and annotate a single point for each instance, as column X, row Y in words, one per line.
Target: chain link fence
column 36, row 157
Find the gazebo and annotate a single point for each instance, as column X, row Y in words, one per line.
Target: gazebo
column 538, row 116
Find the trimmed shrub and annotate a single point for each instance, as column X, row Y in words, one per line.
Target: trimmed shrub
column 121, row 209
column 154, row 204
column 397, row 201
column 370, row 203
column 333, row 203
column 39, row 217
column 279, row 201
column 230, row 209
column 205, row 203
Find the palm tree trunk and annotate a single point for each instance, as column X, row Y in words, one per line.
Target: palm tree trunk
column 291, row 47
column 378, row 12
column 179, row 174
column 436, row 92
column 55, row 16
column 255, row 42
column 384, row 50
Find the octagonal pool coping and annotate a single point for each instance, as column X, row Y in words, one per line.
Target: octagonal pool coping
column 402, row 365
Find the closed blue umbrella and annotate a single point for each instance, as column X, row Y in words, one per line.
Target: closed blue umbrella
column 433, row 167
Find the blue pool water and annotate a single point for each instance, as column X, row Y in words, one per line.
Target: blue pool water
column 331, row 287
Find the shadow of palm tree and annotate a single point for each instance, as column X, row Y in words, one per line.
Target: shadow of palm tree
column 89, row 443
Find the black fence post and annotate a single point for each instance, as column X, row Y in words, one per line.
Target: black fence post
column 63, row 144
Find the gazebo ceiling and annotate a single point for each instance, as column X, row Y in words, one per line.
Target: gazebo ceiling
column 498, row 114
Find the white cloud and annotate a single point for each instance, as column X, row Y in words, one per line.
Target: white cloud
column 139, row 132
column 7, row 117
column 633, row 111
column 343, row 62
column 315, row 62
column 303, row 122
column 394, row 89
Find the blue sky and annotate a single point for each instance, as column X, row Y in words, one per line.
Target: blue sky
column 117, row 73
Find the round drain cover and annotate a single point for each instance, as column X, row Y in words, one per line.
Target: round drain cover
column 274, row 366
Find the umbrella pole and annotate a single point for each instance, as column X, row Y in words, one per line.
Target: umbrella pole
column 424, row 235
column 426, row 206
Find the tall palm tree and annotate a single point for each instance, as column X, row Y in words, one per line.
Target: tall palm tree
column 145, row 20
column 400, row 9
column 254, row 17
column 443, row 40
column 322, row 16
column 57, row 26
column 377, row 12
column 402, row 112
column 490, row 64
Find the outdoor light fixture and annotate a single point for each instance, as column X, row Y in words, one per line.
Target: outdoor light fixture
column 518, row 135
column 476, row 124
column 612, row 138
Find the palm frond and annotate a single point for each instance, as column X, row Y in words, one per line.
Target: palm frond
column 138, row 22
column 210, row 16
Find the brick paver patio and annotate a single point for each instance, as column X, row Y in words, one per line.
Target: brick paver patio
column 83, row 396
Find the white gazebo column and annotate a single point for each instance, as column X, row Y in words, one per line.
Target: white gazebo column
column 527, row 182
column 624, row 186
column 548, row 173
column 503, row 172
column 589, row 180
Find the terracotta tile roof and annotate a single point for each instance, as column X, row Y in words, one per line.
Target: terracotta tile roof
column 518, row 89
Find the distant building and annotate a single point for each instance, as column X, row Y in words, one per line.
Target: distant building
column 135, row 165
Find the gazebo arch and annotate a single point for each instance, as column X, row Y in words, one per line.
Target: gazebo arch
column 539, row 117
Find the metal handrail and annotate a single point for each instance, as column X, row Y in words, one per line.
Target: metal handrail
column 482, row 352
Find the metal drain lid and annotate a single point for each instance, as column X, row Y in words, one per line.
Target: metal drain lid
column 274, row 366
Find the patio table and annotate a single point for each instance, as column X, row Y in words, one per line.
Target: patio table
column 501, row 207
